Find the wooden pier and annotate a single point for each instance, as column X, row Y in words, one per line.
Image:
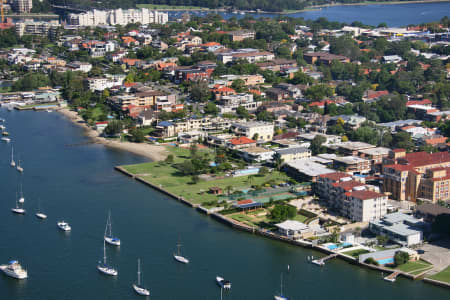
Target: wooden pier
column 391, row 277
column 321, row 262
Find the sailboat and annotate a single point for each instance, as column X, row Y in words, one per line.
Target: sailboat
column 39, row 214
column 19, row 208
column 108, row 233
column 178, row 256
column 19, row 168
column 137, row 287
column 103, row 266
column 13, row 163
column 281, row 297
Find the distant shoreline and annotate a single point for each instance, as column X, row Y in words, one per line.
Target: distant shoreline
column 287, row 12
column 152, row 152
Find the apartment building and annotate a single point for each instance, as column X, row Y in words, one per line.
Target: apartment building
column 350, row 196
column 171, row 128
column 365, row 206
column 254, row 130
column 22, row 6
column 352, row 164
column 375, row 156
column 240, row 35
column 250, row 55
column 118, row 17
column 101, row 83
column 230, row 103
column 293, row 153
column 409, row 176
column 42, row 28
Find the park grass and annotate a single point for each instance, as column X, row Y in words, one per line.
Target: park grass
column 356, row 253
column 171, row 7
column 443, row 276
column 301, row 218
column 169, row 178
column 414, row 267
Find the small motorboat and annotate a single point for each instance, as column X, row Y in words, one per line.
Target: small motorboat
column 225, row 284
column 64, row 226
column 14, row 269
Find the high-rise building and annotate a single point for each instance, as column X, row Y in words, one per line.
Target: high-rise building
column 22, row 6
column 118, row 17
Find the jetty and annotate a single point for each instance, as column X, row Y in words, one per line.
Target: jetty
column 391, row 277
column 321, row 262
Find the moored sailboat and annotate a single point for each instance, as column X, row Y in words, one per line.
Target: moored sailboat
column 13, row 163
column 138, row 288
column 280, row 296
column 104, row 267
column 109, row 238
column 178, row 257
column 39, row 214
column 19, row 207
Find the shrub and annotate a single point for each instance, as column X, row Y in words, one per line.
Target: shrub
column 401, row 258
column 371, row 261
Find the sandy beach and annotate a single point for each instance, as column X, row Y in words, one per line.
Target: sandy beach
column 153, row 152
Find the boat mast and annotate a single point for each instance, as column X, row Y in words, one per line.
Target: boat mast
column 104, row 253
column 139, row 272
column 281, row 284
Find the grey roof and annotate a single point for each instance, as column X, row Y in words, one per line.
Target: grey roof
column 397, row 228
column 400, row 123
column 309, row 167
column 292, row 150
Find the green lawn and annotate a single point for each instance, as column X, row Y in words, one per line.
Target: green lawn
column 442, row 276
column 168, row 177
column 416, row 267
column 356, row 253
column 301, row 218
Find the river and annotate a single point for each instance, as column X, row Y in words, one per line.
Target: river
column 392, row 14
column 77, row 183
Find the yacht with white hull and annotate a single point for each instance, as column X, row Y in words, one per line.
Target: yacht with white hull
column 39, row 214
column 103, row 267
column 178, row 257
column 64, row 226
column 225, row 284
column 14, row 269
column 109, row 238
column 13, row 163
column 138, row 288
column 19, row 207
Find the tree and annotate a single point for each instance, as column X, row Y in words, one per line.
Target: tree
column 200, row 92
column 114, row 127
column 238, row 85
column 242, row 112
column 193, row 149
column 401, row 258
column 281, row 213
column 211, row 109
column 318, row 92
column 402, row 140
column 316, row 144
column 263, row 171
column 169, row 159
column 382, row 239
column 136, row 135
column 278, row 161
column 301, row 78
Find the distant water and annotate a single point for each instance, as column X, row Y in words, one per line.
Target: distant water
column 392, row 15
column 78, row 184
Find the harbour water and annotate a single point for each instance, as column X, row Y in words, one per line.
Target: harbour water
column 392, row 14
column 78, row 184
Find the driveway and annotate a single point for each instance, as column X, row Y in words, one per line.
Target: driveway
column 438, row 253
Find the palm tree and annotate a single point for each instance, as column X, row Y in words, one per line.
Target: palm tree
column 278, row 161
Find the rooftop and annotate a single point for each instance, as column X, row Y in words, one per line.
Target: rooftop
column 365, row 195
column 350, row 159
column 292, row 225
column 376, row 151
column 309, row 167
column 292, row 150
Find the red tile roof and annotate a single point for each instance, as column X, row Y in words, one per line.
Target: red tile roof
column 364, row 195
column 419, row 102
column 243, row 140
column 336, row 176
column 348, row 185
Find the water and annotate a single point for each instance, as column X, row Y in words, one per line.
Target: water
column 392, row 15
column 78, row 184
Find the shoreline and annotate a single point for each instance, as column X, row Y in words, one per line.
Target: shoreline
column 267, row 234
column 152, row 152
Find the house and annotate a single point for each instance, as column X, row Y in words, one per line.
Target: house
column 401, row 228
column 277, row 94
column 292, row 228
column 254, row 130
column 100, row 126
column 256, row 154
column 240, row 35
column 392, row 59
column 80, row 66
column 278, row 65
column 293, row 153
column 146, row 117
column 324, row 57
column 372, row 96
column 241, row 142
